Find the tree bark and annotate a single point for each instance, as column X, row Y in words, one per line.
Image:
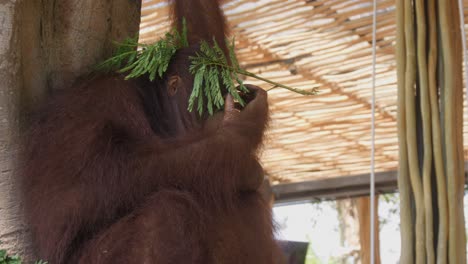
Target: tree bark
column 46, row 45
column 349, row 229
column 12, row 236
column 354, row 219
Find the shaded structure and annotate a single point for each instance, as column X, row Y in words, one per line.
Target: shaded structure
column 307, row 44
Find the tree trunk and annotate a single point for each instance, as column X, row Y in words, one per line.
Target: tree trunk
column 349, row 229
column 46, row 45
column 11, row 226
column 354, row 219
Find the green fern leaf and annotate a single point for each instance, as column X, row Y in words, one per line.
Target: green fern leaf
column 210, row 67
column 197, row 84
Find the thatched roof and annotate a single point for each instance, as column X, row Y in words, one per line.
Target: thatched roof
column 323, row 44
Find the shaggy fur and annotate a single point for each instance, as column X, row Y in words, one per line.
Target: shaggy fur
column 119, row 171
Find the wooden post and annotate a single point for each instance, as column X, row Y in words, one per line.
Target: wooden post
column 363, row 208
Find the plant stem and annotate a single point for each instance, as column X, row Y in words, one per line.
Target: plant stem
column 275, row 84
column 253, row 75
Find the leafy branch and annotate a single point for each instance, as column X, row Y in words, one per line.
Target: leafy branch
column 210, row 67
column 137, row 59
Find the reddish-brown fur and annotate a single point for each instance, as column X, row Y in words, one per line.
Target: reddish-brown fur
column 119, row 171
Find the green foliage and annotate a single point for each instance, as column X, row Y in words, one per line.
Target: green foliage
column 210, row 68
column 125, row 52
column 137, row 59
column 7, row 259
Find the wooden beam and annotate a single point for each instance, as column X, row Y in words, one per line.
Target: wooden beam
column 338, row 187
column 335, row 188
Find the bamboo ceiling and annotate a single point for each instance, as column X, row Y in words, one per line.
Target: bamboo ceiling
column 315, row 43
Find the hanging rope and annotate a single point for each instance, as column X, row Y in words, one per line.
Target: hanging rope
column 372, row 174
